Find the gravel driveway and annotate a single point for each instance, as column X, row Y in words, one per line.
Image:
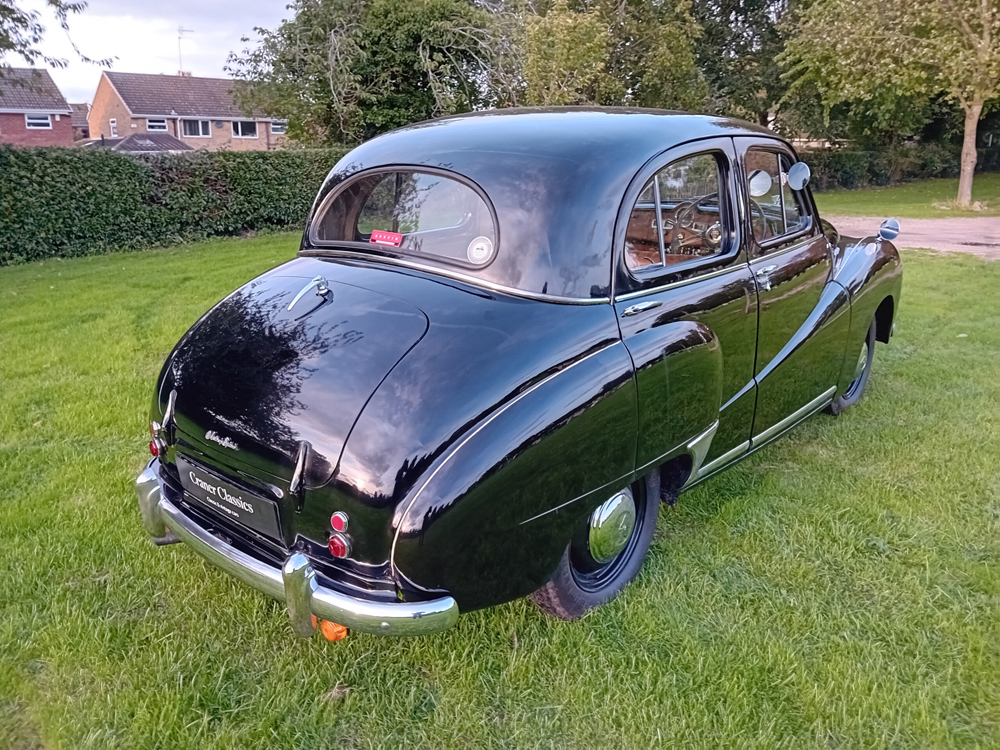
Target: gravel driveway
column 980, row 236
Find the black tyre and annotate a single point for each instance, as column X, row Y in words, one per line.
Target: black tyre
column 862, row 370
column 584, row 581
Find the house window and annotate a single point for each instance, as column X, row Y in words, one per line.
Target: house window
column 197, row 128
column 38, row 122
column 156, row 126
column 114, row 127
column 244, row 129
column 278, row 127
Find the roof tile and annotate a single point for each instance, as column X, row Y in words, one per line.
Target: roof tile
column 173, row 96
column 24, row 89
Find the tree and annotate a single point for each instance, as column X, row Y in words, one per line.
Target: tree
column 737, row 51
column 636, row 53
column 342, row 71
column 566, row 56
column 21, row 31
column 874, row 51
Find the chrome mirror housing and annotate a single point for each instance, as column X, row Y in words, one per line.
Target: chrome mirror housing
column 888, row 230
column 798, row 175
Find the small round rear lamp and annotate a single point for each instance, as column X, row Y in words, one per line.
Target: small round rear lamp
column 339, row 545
column 338, row 521
column 154, row 449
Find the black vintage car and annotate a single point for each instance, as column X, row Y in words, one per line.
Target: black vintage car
column 505, row 339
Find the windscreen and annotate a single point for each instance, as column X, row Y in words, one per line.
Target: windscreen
column 418, row 214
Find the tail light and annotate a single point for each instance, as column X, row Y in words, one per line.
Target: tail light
column 339, row 545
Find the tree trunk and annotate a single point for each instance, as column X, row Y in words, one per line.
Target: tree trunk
column 972, row 113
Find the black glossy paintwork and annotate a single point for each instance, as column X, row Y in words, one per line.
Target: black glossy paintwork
column 468, row 433
column 555, row 178
column 694, row 353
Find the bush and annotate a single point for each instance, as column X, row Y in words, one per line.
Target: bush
column 57, row 202
column 841, row 168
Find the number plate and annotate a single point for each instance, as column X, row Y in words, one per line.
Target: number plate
column 223, row 498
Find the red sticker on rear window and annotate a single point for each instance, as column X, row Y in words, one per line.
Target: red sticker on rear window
column 386, row 238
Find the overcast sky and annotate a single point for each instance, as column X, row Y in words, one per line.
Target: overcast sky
column 143, row 37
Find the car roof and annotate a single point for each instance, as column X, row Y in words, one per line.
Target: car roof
column 556, row 177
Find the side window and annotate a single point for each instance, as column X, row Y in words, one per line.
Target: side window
column 775, row 209
column 677, row 216
column 794, row 201
column 764, row 189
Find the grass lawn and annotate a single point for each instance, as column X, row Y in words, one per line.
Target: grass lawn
column 839, row 589
column 912, row 200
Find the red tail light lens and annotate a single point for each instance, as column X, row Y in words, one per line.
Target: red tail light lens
column 154, row 449
column 339, row 545
column 339, row 521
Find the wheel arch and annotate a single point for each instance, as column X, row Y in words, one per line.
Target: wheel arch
column 495, row 514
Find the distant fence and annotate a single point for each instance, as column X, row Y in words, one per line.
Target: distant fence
column 844, row 168
column 57, row 202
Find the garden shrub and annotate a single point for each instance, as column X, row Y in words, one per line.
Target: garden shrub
column 58, row 202
column 843, row 168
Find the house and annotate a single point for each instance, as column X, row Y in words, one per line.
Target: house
column 141, row 143
column 33, row 112
column 200, row 112
column 81, row 128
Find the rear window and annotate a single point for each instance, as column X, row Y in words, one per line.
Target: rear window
column 411, row 213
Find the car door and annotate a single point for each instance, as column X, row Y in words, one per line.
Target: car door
column 802, row 319
column 686, row 303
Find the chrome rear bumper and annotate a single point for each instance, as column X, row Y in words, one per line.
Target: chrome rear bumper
column 295, row 582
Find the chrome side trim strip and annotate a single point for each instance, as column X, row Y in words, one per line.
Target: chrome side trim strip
column 698, row 447
column 682, row 282
column 797, row 416
column 295, row 582
column 336, row 252
column 726, row 458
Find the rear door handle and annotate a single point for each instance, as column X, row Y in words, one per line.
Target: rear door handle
column 641, row 307
column 764, row 278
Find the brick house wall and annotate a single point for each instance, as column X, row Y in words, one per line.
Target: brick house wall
column 14, row 131
column 108, row 104
column 222, row 138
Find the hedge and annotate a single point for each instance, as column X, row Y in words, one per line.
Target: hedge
column 843, row 168
column 57, row 202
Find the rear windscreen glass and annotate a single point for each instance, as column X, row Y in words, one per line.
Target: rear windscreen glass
column 412, row 213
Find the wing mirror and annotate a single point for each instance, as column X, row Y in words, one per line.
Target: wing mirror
column 888, row 230
column 798, row 175
column 760, row 183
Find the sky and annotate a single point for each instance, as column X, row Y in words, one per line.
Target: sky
column 142, row 36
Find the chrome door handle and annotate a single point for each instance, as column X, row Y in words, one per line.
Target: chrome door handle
column 763, row 278
column 641, row 307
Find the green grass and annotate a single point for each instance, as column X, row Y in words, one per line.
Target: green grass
column 839, row 589
column 912, row 200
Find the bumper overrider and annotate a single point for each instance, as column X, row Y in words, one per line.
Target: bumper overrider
column 294, row 582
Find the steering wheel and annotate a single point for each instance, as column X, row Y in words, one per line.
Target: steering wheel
column 681, row 234
column 768, row 230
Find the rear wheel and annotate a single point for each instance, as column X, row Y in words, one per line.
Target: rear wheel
column 605, row 555
column 862, row 370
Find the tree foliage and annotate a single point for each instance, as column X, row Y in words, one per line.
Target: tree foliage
column 737, row 52
column 22, row 31
column 566, row 56
column 345, row 70
column 880, row 52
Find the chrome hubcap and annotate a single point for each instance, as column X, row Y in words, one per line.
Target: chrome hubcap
column 611, row 526
column 862, row 361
